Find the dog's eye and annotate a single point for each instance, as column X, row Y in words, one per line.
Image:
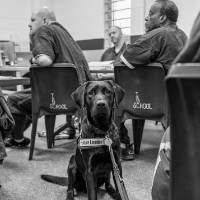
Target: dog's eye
column 107, row 92
column 91, row 92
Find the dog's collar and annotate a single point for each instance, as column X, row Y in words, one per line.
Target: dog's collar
column 90, row 131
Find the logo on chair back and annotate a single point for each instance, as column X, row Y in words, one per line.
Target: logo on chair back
column 55, row 106
column 138, row 105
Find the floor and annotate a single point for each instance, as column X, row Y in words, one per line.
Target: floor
column 20, row 178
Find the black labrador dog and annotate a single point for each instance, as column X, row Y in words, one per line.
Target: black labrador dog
column 91, row 167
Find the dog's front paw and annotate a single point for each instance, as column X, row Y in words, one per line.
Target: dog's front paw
column 117, row 196
column 70, row 195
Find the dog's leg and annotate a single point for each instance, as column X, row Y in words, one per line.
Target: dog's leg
column 110, row 189
column 72, row 169
column 91, row 183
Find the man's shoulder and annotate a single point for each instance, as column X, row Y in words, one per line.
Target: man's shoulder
column 149, row 36
column 110, row 49
column 157, row 31
column 44, row 29
column 164, row 32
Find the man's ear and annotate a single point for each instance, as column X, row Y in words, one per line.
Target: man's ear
column 79, row 95
column 163, row 18
column 119, row 93
column 45, row 21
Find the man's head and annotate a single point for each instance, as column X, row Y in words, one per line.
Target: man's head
column 161, row 13
column 41, row 17
column 115, row 34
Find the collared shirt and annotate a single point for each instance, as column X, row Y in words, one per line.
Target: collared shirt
column 160, row 45
column 110, row 53
column 55, row 41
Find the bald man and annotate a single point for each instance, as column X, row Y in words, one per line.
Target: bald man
column 50, row 43
column 116, row 37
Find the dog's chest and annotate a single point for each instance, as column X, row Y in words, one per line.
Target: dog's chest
column 101, row 163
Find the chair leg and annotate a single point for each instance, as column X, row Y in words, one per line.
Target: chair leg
column 33, row 134
column 50, row 123
column 138, row 126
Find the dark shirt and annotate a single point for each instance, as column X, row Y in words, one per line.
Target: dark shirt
column 110, row 53
column 160, row 45
column 55, row 41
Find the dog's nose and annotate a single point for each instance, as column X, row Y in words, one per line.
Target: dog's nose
column 101, row 104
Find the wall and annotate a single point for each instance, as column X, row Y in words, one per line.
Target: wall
column 14, row 18
column 84, row 19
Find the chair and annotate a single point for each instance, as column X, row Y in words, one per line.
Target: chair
column 183, row 88
column 51, row 95
column 144, row 97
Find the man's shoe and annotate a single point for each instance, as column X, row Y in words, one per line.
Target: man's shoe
column 130, row 148
column 68, row 133
column 127, row 153
column 9, row 142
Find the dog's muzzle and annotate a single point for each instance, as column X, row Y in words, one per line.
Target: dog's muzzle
column 101, row 108
column 101, row 104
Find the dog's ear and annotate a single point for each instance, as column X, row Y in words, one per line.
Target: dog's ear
column 119, row 92
column 79, row 95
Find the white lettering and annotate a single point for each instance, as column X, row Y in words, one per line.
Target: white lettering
column 58, row 107
column 55, row 106
column 145, row 106
column 138, row 105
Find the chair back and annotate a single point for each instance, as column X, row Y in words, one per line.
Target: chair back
column 183, row 88
column 145, row 90
column 52, row 87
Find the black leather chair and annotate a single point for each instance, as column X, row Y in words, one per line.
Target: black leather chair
column 51, row 95
column 183, row 88
column 144, row 98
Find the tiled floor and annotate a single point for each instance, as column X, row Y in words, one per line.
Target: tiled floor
column 21, row 178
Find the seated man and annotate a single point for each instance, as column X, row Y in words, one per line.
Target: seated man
column 119, row 45
column 50, row 43
column 161, row 43
column 161, row 178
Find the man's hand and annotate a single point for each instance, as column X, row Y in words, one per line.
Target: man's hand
column 42, row 60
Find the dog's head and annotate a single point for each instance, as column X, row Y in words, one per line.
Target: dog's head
column 99, row 98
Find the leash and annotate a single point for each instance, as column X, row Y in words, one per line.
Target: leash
column 119, row 180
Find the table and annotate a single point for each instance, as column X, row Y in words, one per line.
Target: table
column 15, row 68
column 6, row 81
column 25, row 69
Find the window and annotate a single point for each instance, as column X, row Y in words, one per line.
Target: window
column 117, row 13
